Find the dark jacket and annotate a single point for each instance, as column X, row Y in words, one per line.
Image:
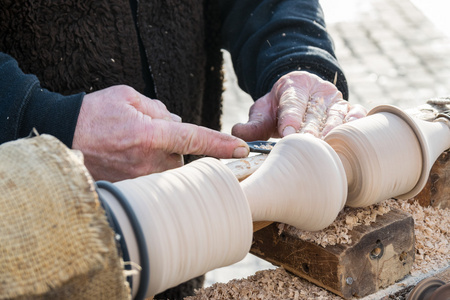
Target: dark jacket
column 166, row 49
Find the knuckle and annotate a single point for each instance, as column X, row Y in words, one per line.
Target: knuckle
column 129, row 94
column 158, row 103
column 126, row 89
column 191, row 141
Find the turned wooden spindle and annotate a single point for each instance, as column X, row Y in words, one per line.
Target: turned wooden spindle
column 301, row 183
column 194, row 218
column 388, row 154
column 199, row 217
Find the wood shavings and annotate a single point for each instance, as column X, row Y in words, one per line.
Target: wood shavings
column 432, row 231
column 337, row 232
column 267, row 284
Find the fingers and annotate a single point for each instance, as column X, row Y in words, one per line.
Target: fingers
column 356, row 112
column 305, row 102
column 184, row 138
column 323, row 113
column 261, row 123
column 336, row 116
column 175, row 118
column 291, row 112
column 342, row 112
column 153, row 108
column 298, row 102
column 314, row 116
column 150, row 107
column 292, row 92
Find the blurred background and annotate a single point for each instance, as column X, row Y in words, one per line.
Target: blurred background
column 392, row 52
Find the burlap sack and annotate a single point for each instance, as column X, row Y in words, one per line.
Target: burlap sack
column 55, row 241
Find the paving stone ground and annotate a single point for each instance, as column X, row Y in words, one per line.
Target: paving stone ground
column 392, row 52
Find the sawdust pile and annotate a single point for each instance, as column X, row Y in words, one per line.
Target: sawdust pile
column 268, row 284
column 432, row 230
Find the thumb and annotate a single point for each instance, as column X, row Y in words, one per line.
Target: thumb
column 185, row 138
column 261, row 122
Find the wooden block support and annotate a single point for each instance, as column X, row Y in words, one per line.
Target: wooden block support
column 380, row 254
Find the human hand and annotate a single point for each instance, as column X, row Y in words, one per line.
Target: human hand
column 298, row 102
column 124, row 134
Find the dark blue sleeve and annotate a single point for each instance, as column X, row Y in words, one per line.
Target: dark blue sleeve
column 269, row 38
column 24, row 105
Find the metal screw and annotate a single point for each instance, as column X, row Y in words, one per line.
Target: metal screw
column 349, row 280
column 378, row 251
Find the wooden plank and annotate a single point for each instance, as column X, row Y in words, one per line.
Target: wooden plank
column 380, row 254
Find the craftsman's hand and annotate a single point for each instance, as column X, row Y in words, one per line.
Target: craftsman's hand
column 124, row 134
column 298, row 102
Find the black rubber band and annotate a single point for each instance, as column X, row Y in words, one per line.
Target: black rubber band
column 120, row 244
column 142, row 245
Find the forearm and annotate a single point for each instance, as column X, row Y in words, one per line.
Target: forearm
column 25, row 105
column 269, row 38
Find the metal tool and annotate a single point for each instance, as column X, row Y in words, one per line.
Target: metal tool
column 261, row 146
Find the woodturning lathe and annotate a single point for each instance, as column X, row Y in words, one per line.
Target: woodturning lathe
column 289, row 192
